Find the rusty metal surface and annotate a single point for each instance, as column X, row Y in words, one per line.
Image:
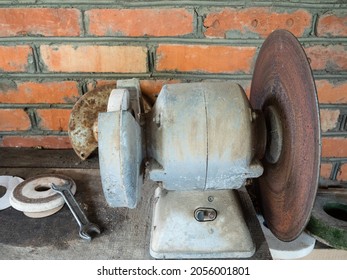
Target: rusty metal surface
column 83, row 117
column 283, row 79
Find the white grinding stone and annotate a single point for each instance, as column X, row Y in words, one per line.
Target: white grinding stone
column 39, row 198
column 43, row 214
column 9, row 182
column 118, row 100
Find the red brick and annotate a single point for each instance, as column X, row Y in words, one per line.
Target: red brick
column 48, row 142
column 14, row 120
column 325, row 170
column 331, row 92
column 106, row 82
column 39, row 21
column 329, row 119
column 72, row 58
column 330, row 58
column 92, row 84
column 139, row 22
column 255, row 22
column 200, row 58
column 33, row 92
column 15, row 58
column 151, row 88
column 246, row 86
column 331, row 25
column 53, row 119
column 334, row 147
column 342, row 173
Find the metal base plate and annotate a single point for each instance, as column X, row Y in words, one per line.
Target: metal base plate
column 176, row 234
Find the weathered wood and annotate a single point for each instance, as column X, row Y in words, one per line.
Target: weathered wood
column 125, row 232
column 342, row 191
column 40, row 158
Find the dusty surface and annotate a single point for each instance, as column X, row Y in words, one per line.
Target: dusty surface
column 125, row 232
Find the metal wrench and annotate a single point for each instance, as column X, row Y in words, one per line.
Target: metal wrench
column 86, row 227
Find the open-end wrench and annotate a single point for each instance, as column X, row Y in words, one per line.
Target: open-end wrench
column 86, row 227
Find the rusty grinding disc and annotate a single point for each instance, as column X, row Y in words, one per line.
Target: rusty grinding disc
column 284, row 90
column 83, row 118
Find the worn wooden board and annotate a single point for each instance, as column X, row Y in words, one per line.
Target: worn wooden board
column 326, row 254
column 125, row 232
column 27, row 157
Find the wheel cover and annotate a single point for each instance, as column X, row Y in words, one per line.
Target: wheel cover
column 83, row 117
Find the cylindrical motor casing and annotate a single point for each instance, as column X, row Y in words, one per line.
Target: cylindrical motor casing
column 201, row 136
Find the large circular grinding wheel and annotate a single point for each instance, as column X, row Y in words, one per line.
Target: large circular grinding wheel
column 283, row 89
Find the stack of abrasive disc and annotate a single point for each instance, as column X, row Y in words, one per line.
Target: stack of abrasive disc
column 35, row 197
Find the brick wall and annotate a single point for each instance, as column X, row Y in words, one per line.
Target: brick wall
column 52, row 52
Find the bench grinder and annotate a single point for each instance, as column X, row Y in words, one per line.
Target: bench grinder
column 201, row 142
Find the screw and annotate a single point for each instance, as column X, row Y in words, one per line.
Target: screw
column 212, row 215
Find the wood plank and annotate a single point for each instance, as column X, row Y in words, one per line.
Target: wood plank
column 41, row 158
column 125, row 232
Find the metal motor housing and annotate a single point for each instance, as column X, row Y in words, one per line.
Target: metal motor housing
column 201, row 136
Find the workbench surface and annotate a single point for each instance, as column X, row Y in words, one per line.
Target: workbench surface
column 125, row 232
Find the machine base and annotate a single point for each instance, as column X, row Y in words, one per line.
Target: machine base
column 177, row 234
